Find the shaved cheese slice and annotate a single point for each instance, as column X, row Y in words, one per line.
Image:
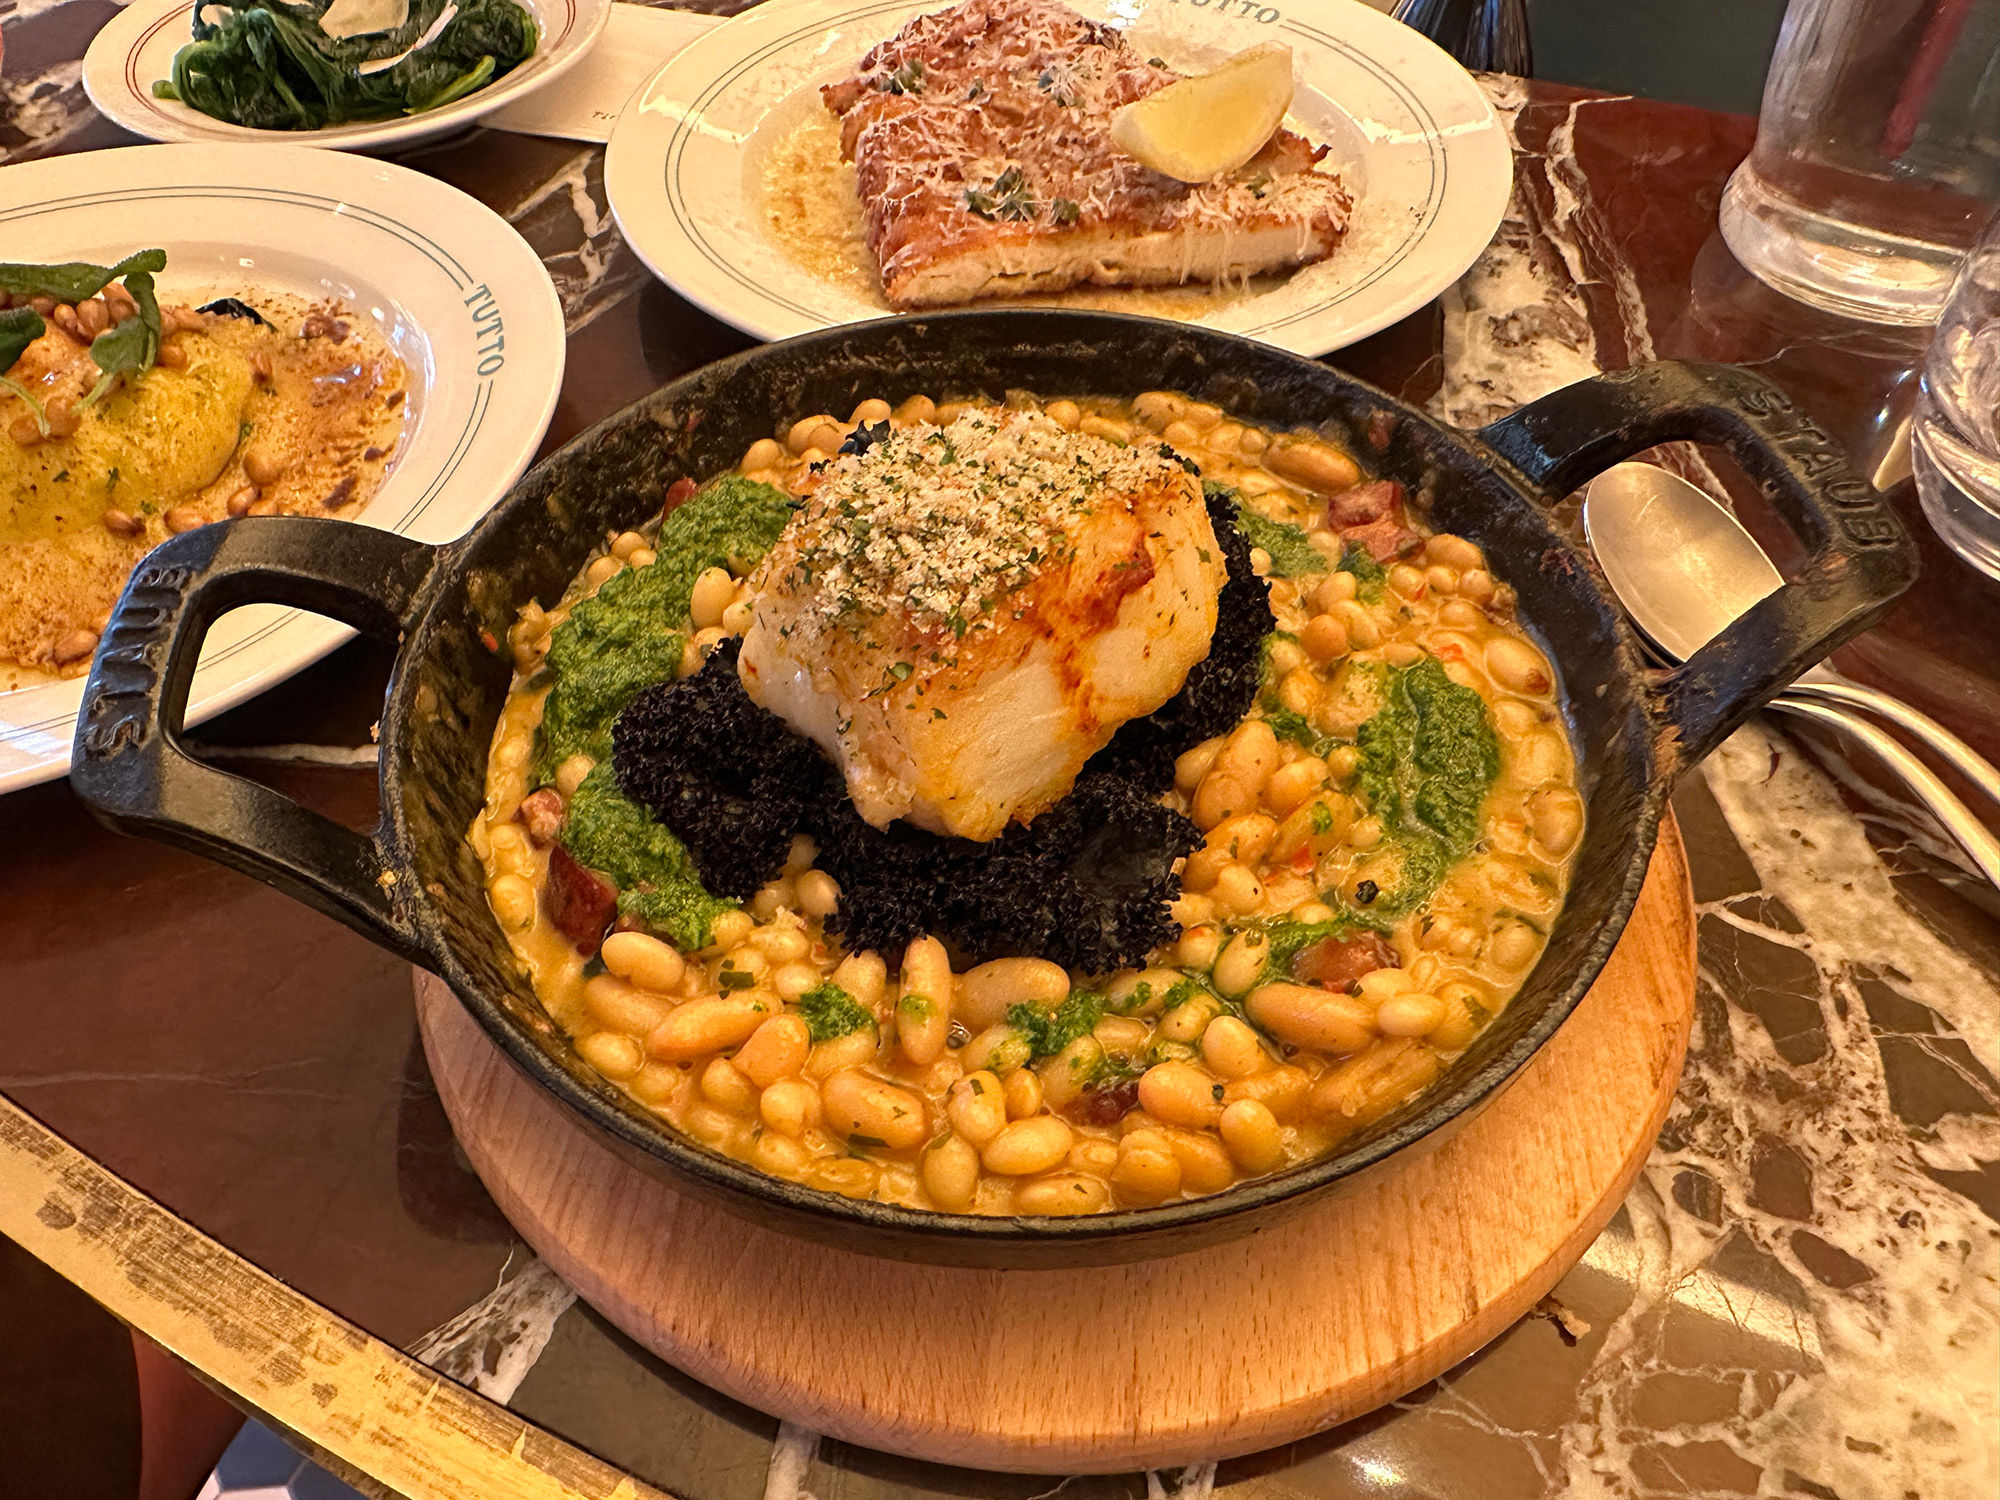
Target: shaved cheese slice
column 383, row 64
column 350, row 18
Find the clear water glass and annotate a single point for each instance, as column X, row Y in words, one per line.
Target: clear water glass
column 1955, row 438
column 1878, row 155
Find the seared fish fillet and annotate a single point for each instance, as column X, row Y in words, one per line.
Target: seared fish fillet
column 963, row 615
column 981, row 138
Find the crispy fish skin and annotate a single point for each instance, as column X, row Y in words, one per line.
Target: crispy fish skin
column 983, row 158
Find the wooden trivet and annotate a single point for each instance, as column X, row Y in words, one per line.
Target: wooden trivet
column 1210, row 1354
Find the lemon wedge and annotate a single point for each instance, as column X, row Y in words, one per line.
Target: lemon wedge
column 1200, row 128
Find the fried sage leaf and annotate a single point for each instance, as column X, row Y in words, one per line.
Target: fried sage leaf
column 132, row 346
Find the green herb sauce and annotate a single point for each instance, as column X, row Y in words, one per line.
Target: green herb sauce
column 1291, row 553
column 627, row 637
column 630, row 633
column 829, row 1012
column 1368, row 574
column 1428, row 758
column 1049, row 1031
column 652, row 869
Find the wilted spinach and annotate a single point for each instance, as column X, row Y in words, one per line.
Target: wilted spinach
column 268, row 64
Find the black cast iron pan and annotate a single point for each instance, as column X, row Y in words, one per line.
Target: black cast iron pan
column 415, row 887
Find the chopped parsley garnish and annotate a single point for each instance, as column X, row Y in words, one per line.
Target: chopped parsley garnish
column 1048, row 85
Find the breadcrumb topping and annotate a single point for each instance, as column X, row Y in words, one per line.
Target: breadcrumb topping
column 938, row 524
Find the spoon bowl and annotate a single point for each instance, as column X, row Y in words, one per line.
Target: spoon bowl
column 1682, row 566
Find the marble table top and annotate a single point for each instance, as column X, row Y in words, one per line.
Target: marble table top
column 1800, row 1296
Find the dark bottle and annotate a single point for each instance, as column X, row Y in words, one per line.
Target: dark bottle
column 1490, row 35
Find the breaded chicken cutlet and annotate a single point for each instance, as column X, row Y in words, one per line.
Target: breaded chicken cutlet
column 981, row 138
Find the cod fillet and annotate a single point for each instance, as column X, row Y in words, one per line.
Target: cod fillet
column 963, row 615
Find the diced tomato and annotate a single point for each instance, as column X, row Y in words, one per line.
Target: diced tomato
column 678, row 491
column 580, row 902
column 1336, row 963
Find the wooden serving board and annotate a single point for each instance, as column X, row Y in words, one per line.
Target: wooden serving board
column 1205, row 1355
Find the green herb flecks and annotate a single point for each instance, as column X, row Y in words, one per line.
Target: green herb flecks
column 1049, row 1031
column 1049, row 84
column 829, row 1012
column 907, row 79
column 1007, row 198
column 1369, row 575
column 656, row 877
column 269, row 65
column 629, row 635
column 1428, row 758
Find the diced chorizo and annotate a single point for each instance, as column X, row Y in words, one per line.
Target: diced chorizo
column 678, row 491
column 580, row 902
column 541, row 813
column 1106, row 1104
column 1382, row 539
column 1367, row 502
column 1336, row 963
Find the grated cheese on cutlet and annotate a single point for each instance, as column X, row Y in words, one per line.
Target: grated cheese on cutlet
column 938, row 524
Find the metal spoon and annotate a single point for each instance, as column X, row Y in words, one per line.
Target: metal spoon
column 1683, row 568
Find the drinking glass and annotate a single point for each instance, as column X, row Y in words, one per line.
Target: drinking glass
column 1877, row 157
column 1955, row 438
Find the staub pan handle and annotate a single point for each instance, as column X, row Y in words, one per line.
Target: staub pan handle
column 1860, row 558
column 129, row 765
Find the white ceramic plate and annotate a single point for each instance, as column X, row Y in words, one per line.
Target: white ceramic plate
column 460, row 297
column 1411, row 133
column 137, row 47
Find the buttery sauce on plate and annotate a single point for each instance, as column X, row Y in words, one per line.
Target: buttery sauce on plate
column 811, row 209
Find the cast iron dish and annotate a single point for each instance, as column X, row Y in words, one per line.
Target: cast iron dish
column 415, row 887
